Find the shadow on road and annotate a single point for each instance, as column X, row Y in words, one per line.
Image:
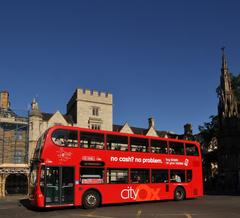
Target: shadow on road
column 27, row 204
column 227, row 193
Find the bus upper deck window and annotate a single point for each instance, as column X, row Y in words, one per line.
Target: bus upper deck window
column 67, row 138
column 192, row 150
column 139, row 144
column 176, row 148
column 119, row 143
column 159, row 146
column 91, row 140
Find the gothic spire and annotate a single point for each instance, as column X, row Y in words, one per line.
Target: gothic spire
column 224, row 60
column 225, row 83
column 227, row 106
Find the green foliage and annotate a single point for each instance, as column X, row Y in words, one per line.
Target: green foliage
column 235, row 82
column 236, row 86
column 209, row 130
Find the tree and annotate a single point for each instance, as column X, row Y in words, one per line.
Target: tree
column 236, row 86
column 209, row 144
column 208, row 131
column 235, row 82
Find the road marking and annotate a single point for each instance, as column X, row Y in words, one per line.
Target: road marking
column 92, row 216
column 139, row 213
column 188, row 215
column 175, row 214
column 4, row 208
column 169, row 214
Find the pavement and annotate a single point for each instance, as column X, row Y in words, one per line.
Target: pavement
column 214, row 206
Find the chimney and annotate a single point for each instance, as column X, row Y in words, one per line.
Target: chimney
column 188, row 129
column 151, row 123
column 4, row 100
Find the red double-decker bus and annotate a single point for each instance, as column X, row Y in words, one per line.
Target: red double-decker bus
column 83, row 167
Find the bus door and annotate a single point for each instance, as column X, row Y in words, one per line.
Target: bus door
column 59, row 185
column 67, row 188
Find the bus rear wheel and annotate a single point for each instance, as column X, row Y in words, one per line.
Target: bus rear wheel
column 179, row 194
column 91, row 199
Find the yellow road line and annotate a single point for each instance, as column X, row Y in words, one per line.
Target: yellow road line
column 139, row 213
column 188, row 215
column 92, row 216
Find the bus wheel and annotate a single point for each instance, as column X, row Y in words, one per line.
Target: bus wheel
column 91, row 199
column 179, row 194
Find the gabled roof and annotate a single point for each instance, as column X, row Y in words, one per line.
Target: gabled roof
column 143, row 131
column 151, row 132
column 126, row 129
column 47, row 117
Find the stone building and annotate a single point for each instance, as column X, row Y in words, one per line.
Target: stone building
column 229, row 133
column 13, row 149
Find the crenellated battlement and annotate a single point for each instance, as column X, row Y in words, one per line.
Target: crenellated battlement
column 93, row 95
column 88, row 95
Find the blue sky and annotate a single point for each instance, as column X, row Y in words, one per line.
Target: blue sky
column 158, row 58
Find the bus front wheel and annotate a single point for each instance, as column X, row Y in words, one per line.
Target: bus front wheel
column 91, row 199
column 179, row 194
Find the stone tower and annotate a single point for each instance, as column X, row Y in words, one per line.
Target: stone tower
column 91, row 109
column 227, row 107
column 35, row 126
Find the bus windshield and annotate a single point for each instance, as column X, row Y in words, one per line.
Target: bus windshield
column 39, row 146
column 33, row 179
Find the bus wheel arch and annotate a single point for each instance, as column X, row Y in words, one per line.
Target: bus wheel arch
column 91, row 198
column 179, row 193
